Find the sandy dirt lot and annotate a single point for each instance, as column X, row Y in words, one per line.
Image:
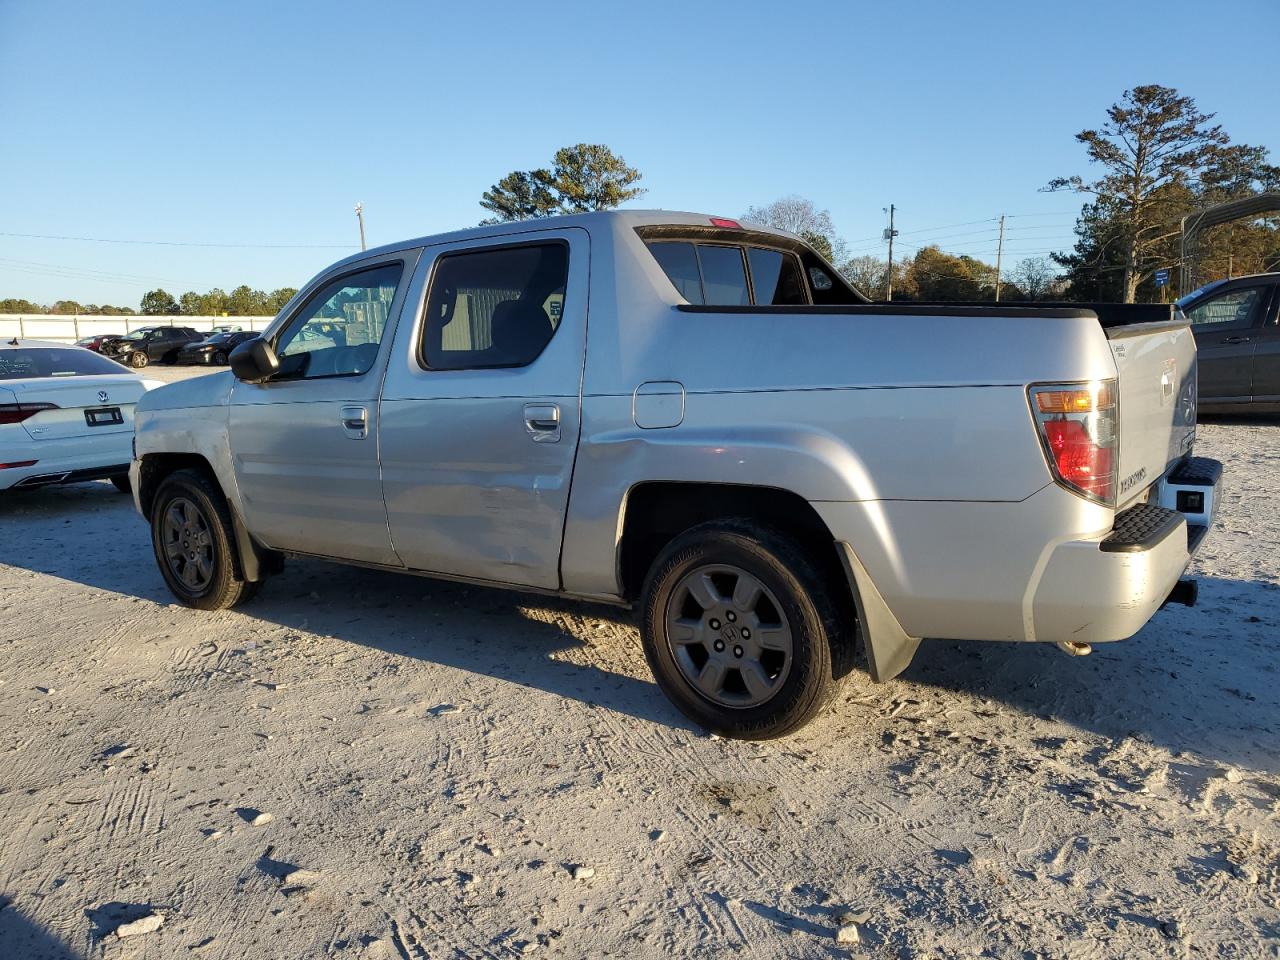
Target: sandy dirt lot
column 462, row 773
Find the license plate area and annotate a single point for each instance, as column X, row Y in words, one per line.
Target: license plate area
column 103, row 416
column 1192, row 490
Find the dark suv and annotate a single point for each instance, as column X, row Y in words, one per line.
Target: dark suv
column 1237, row 331
column 141, row 346
column 215, row 350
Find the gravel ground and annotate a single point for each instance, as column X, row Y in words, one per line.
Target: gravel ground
column 369, row 765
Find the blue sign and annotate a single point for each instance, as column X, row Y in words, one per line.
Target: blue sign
column 1162, row 278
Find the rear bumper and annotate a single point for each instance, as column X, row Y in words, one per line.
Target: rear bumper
column 1051, row 568
column 1099, row 590
column 68, row 460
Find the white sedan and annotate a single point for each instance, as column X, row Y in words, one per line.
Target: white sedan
column 66, row 415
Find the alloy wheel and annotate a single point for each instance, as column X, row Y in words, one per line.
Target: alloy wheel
column 188, row 544
column 728, row 636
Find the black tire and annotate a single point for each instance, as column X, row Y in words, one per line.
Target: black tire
column 220, row 358
column 121, row 483
column 137, row 359
column 211, row 545
column 801, row 596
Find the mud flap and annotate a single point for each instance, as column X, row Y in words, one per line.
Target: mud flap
column 889, row 648
column 255, row 562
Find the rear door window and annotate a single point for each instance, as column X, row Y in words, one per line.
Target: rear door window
column 496, row 307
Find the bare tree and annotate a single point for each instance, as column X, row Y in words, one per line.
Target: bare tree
column 1036, row 277
column 866, row 273
column 802, row 217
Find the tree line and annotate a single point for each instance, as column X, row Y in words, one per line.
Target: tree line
column 243, row 301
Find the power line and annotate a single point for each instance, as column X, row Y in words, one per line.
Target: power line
column 185, row 243
column 105, row 274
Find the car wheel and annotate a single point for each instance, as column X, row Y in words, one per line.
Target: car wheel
column 194, row 543
column 137, row 359
column 741, row 630
column 122, row 484
column 220, row 358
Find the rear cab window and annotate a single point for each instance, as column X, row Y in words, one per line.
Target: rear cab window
column 744, row 270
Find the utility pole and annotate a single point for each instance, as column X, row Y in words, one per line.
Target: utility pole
column 360, row 217
column 890, row 233
column 999, row 255
column 1231, row 263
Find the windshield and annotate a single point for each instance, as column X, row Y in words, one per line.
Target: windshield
column 55, row 362
column 137, row 334
column 220, row 338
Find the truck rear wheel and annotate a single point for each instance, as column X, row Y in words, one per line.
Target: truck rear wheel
column 741, row 630
column 194, row 543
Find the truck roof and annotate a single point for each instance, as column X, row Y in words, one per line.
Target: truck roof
column 597, row 218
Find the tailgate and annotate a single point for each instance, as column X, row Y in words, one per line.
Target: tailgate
column 71, row 398
column 1156, row 366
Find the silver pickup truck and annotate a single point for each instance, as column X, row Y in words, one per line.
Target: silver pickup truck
column 699, row 418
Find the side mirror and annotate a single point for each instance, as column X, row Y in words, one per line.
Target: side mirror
column 254, row 361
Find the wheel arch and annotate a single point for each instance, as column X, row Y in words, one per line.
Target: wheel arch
column 253, row 561
column 657, row 511
column 154, row 467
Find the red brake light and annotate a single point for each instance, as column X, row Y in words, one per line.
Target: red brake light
column 1080, row 461
column 1077, row 424
column 17, row 412
column 20, row 463
column 725, row 222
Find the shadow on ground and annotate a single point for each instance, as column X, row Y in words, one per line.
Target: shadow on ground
column 1199, row 680
column 23, row 937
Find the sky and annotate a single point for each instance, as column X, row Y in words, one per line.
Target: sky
column 235, row 138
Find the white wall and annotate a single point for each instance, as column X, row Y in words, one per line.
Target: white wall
column 42, row 326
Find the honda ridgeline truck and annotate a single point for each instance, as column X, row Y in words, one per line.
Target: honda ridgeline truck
column 701, row 419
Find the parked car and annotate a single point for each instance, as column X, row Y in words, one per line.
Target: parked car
column 147, row 344
column 214, row 350
column 92, row 343
column 1237, row 329
column 768, row 467
column 66, row 415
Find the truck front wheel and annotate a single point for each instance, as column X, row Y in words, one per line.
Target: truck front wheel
column 741, row 629
column 194, row 543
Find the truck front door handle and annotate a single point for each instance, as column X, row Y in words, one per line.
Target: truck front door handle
column 542, row 421
column 1235, row 340
column 355, row 421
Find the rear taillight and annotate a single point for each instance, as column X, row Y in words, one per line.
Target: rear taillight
column 1077, row 424
column 17, row 412
column 18, row 463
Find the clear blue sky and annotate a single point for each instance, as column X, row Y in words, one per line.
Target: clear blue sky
column 263, row 123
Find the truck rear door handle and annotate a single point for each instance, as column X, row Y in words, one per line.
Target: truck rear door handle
column 542, row 420
column 355, row 421
column 1235, row 340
